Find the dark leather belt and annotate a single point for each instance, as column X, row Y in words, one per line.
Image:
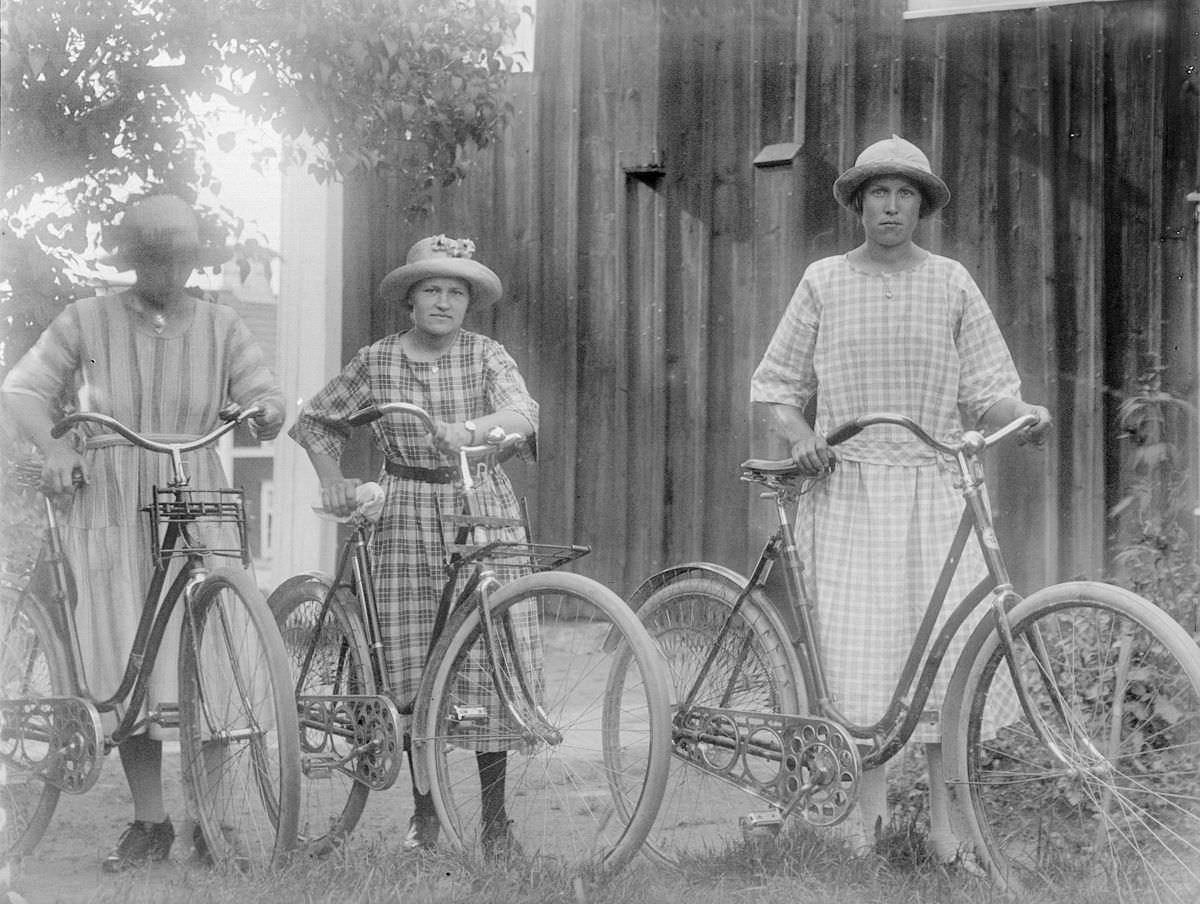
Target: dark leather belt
column 424, row 475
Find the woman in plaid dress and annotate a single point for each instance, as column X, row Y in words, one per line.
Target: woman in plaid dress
column 470, row 385
column 892, row 327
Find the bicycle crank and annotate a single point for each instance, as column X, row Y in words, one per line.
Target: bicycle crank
column 798, row 764
column 369, row 733
column 56, row 739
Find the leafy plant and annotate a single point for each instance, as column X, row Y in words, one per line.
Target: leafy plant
column 100, row 97
column 1156, row 555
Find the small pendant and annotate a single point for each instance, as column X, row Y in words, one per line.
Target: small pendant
column 159, row 322
column 433, row 369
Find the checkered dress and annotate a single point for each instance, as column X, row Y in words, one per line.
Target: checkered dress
column 475, row 377
column 923, row 343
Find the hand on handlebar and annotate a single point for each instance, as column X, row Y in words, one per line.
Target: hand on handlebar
column 340, row 497
column 1035, row 434
column 812, row 454
column 63, row 470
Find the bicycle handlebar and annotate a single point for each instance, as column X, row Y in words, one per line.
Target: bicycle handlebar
column 231, row 420
column 972, row 443
column 496, row 437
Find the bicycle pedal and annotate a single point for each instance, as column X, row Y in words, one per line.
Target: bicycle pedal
column 316, row 767
column 764, row 824
column 475, row 715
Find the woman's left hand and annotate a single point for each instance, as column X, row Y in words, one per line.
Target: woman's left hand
column 267, row 425
column 1037, row 433
column 449, row 438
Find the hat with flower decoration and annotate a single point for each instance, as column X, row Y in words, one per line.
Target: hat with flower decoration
column 438, row 255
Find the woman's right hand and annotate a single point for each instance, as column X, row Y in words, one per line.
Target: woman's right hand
column 340, row 496
column 63, row 470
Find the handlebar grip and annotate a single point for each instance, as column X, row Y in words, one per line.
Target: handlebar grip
column 843, row 433
column 365, row 416
column 59, row 429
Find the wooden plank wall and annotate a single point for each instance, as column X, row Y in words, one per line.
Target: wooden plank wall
column 648, row 257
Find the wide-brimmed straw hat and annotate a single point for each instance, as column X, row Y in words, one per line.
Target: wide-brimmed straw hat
column 438, row 255
column 892, row 157
column 163, row 226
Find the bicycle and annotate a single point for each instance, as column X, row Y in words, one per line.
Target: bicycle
column 522, row 665
column 236, row 716
column 1096, row 785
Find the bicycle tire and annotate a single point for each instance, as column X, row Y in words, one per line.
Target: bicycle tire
column 559, row 806
column 701, row 814
column 33, row 664
column 331, row 801
column 1101, row 823
column 239, row 737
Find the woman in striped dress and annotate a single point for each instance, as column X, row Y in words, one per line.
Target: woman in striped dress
column 891, row 327
column 470, row 385
column 164, row 363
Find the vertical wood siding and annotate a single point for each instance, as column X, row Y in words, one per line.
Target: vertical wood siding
column 647, row 258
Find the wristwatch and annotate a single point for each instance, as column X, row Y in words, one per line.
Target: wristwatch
column 470, row 425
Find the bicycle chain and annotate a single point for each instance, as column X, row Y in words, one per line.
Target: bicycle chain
column 798, row 764
column 372, row 726
column 69, row 730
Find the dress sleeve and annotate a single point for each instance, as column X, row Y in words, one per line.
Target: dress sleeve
column 49, row 370
column 506, row 391
column 987, row 372
column 251, row 382
column 786, row 374
column 323, row 423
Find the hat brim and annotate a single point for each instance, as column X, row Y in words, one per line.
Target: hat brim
column 205, row 256
column 937, row 195
column 486, row 288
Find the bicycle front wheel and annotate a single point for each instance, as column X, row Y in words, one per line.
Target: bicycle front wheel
column 754, row 670
column 1111, row 805
column 533, row 779
column 33, row 665
column 339, row 664
column 239, row 737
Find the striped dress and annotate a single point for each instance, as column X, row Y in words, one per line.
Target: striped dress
column 99, row 357
column 475, row 377
column 923, row 343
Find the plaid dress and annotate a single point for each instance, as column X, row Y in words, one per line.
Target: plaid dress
column 475, row 377
column 103, row 359
column 923, row 343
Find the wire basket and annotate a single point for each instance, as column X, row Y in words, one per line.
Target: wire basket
column 199, row 522
column 462, row 544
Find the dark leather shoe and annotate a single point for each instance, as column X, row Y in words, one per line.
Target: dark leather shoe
column 143, row 842
column 422, row 833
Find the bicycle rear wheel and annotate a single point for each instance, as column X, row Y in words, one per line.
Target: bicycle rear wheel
column 755, row 670
column 559, row 636
column 33, row 664
column 239, row 737
column 331, row 799
column 1118, row 809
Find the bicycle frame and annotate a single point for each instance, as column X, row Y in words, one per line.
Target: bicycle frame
column 52, row 581
column 886, row 736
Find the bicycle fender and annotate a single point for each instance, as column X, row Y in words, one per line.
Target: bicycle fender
column 299, row 580
column 703, row 569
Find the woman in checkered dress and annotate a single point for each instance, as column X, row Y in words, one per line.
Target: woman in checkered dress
column 470, row 385
column 890, row 327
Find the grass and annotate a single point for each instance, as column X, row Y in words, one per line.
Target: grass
column 801, row 866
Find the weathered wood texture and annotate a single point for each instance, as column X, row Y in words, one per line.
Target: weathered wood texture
column 647, row 257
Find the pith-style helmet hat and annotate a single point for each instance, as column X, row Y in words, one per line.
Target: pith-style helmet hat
column 892, row 157
column 163, row 226
column 438, row 255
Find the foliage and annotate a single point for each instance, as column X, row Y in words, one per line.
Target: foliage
column 1156, row 555
column 99, row 95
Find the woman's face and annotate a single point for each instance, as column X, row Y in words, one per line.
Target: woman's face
column 439, row 305
column 891, row 209
column 160, row 276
